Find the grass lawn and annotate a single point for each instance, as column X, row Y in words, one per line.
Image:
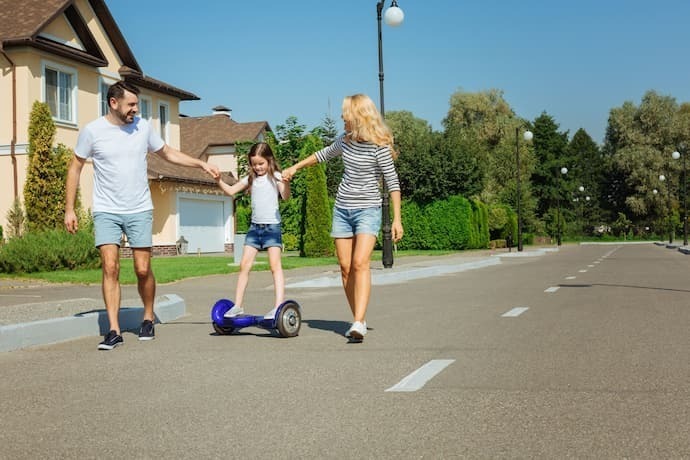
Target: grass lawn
column 168, row 269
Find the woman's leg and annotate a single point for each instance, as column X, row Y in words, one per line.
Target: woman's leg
column 274, row 254
column 343, row 250
column 360, row 274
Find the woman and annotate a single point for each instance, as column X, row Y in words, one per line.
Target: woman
column 367, row 151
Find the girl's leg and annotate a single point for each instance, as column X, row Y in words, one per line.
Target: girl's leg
column 343, row 250
column 274, row 254
column 246, row 263
column 361, row 273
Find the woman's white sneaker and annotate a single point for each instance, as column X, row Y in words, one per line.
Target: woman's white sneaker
column 357, row 330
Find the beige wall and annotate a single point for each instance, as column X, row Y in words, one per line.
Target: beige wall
column 29, row 67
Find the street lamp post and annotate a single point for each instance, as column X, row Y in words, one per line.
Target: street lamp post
column 662, row 178
column 394, row 17
column 564, row 171
column 675, row 155
column 528, row 137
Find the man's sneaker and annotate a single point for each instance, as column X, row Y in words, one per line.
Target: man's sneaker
column 234, row 311
column 110, row 341
column 146, row 332
column 357, row 331
column 271, row 314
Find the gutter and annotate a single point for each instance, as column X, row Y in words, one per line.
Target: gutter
column 13, row 142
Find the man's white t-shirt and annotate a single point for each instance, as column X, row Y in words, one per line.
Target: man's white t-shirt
column 265, row 199
column 121, row 183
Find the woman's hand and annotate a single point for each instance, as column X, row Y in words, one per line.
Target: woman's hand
column 396, row 230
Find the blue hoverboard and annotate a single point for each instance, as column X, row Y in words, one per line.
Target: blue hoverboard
column 287, row 320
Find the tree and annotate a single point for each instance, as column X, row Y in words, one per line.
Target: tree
column 550, row 150
column 328, row 132
column 44, row 189
column 637, row 149
column 419, row 165
column 316, row 240
column 588, row 172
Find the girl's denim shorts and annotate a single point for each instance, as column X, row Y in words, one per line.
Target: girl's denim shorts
column 350, row 222
column 263, row 236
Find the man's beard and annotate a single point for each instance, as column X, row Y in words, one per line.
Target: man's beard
column 123, row 117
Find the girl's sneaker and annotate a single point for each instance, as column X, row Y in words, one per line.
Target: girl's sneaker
column 271, row 314
column 234, row 311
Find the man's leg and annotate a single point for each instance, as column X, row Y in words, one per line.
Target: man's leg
column 146, row 282
column 110, row 261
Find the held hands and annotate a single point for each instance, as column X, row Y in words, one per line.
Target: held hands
column 211, row 170
column 289, row 173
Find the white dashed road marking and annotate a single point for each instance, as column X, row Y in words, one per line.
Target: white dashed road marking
column 418, row 378
column 552, row 289
column 517, row 311
column 570, row 277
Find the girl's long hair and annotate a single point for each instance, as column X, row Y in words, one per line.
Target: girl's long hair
column 264, row 151
column 366, row 122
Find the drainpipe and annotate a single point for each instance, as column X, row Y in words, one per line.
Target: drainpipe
column 13, row 142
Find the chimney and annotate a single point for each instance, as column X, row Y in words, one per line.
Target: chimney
column 222, row 110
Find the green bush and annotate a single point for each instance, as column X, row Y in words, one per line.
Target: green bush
column 453, row 223
column 290, row 242
column 50, row 250
column 243, row 217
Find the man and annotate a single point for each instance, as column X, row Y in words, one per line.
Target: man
column 118, row 143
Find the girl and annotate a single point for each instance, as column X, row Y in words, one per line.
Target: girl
column 367, row 151
column 266, row 184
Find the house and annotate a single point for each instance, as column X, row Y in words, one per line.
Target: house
column 205, row 220
column 67, row 53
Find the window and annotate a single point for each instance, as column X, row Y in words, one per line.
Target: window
column 164, row 117
column 60, row 87
column 145, row 107
column 103, row 87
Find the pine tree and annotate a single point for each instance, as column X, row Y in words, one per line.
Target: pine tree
column 44, row 189
column 316, row 241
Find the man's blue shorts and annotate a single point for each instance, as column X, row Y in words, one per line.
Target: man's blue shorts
column 138, row 227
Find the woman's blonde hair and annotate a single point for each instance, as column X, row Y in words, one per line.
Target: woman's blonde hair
column 366, row 123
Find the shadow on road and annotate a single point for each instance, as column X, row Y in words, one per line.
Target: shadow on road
column 621, row 285
column 338, row 327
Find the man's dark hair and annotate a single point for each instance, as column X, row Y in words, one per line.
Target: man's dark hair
column 117, row 90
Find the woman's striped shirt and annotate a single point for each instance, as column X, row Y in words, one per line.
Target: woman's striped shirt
column 364, row 163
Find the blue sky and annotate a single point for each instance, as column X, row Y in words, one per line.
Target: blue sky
column 272, row 59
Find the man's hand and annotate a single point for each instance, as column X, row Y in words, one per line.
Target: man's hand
column 71, row 223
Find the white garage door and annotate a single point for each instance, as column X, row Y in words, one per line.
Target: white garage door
column 201, row 224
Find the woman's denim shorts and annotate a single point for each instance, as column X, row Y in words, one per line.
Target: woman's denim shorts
column 263, row 236
column 350, row 222
column 138, row 227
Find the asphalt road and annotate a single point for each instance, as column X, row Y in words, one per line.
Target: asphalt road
column 581, row 353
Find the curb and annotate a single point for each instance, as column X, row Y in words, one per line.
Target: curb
column 44, row 332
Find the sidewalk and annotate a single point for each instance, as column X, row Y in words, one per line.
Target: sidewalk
column 37, row 313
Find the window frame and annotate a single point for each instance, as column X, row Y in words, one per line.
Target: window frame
column 149, row 100
column 164, row 128
column 104, row 97
column 74, row 89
